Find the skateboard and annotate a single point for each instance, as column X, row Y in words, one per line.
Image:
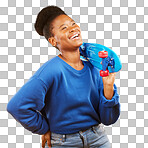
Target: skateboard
column 101, row 57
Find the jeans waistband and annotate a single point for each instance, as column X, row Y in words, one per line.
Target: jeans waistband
column 74, row 134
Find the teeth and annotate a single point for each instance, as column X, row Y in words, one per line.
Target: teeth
column 76, row 35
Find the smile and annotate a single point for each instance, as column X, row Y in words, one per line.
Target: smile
column 75, row 36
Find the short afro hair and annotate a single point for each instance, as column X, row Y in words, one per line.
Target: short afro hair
column 43, row 23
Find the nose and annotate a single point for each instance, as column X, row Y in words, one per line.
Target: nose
column 72, row 29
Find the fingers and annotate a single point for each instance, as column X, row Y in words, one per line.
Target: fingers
column 49, row 143
column 48, row 138
column 113, row 73
column 109, row 80
column 112, row 76
column 43, row 141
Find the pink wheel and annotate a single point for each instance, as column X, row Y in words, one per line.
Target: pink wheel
column 103, row 54
column 104, row 73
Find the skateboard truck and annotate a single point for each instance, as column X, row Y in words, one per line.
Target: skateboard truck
column 106, row 61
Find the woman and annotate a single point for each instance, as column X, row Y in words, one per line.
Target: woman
column 66, row 100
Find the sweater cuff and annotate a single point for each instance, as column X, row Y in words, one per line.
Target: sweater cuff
column 110, row 103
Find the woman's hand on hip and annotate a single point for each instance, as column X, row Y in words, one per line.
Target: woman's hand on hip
column 46, row 137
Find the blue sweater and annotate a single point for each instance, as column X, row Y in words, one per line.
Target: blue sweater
column 63, row 100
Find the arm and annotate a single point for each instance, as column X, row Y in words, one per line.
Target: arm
column 109, row 106
column 25, row 105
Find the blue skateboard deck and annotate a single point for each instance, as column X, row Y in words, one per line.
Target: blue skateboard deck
column 90, row 51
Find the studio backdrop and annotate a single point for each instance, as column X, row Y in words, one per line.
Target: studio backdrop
column 121, row 25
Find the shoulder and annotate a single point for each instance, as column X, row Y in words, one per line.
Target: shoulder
column 47, row 67
column 48, row 71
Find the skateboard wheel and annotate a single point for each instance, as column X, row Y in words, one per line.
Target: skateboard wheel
column 103, row 54
column 104, row 73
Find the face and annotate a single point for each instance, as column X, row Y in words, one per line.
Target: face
column 67, row 34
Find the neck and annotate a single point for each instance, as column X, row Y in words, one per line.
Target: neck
column 71, row 57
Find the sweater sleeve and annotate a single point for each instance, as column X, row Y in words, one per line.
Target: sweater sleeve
column 26, row 104
column 109, row 110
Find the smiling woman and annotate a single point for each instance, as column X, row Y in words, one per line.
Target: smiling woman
column 65, row 31
column 66, row 100
column 62, row 32
column 54, row 24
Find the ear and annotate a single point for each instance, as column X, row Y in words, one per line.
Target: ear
column 52, row 41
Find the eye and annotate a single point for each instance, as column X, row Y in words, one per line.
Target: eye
column 64, row 28
column 73, row 23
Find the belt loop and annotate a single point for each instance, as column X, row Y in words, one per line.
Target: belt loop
column 64, row 138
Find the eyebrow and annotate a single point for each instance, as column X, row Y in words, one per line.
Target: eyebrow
column 65, row 24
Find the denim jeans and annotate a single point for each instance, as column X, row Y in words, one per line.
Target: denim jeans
column 94, row 137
